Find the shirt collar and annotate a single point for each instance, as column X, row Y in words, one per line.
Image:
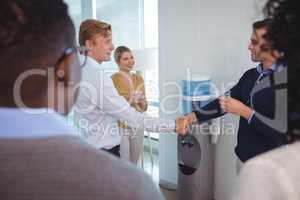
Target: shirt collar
column 275, row 68
column 32, row 123
column 89, row 61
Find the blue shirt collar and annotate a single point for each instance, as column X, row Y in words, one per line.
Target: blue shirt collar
column 32, row 123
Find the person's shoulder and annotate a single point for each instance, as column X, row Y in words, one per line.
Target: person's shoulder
column 116, row 75
column 286, row 154
column 93, row 171
column 260, row 178
column 124, row 179
column 119, row 80
column 138, row 77
column 268, row 174
column 251, row 71
column 268, row 156
column 282, row 157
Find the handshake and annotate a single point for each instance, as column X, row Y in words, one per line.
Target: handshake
column 184, row 123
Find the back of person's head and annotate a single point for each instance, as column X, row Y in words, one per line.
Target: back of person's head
column 34, row 34
column 285, row 31
column 284, row 35
column 119, row 51
column 91, row 28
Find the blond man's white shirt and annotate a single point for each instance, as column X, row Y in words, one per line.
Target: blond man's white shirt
column 99, row 107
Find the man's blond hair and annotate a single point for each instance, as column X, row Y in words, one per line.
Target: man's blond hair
column 90, row 27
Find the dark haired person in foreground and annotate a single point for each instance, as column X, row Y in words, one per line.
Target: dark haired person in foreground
column 41, row 157
column 275, row 175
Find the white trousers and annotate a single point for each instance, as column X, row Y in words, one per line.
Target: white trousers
column 131, row 144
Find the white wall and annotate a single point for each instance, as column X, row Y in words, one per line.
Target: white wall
column 210, row 37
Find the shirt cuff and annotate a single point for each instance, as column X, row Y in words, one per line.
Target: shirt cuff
column 251, row 116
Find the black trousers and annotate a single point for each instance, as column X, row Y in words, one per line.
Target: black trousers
column 115, row 150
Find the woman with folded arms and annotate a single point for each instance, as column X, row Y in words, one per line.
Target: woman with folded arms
column 131, row 86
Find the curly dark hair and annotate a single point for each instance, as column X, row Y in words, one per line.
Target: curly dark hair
column 33, row 32
column 284, row 36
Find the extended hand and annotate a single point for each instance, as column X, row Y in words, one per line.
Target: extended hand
column 182, row 125
column 191, row 117
column 235, row 107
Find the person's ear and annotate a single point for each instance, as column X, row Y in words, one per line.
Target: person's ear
column 67, row 75
column 62, row 71
column 276, row 54
column 89, row 44
column 265, row 47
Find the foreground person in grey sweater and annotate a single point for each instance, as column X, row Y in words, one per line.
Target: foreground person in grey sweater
column 41, row 157
column 64, row 167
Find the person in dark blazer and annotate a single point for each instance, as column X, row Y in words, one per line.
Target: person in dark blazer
column 254, row 136
column 278, row 170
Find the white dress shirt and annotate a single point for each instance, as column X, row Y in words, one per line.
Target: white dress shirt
column 32, row 123
column 99, row 107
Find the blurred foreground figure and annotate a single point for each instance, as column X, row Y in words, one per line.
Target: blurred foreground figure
column 41, row 157
column 275, row 175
